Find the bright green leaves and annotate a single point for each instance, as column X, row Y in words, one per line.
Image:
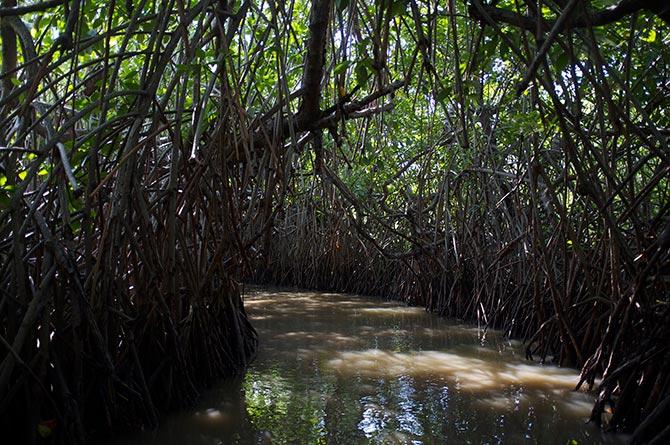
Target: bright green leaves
column 187, row 68
column 341, row 67
column 362, row 47
column 525, row 123
column 651, row 36
column 443, row 93
column 489, row 46
column 363, row 71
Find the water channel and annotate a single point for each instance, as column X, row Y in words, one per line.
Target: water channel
column 340, row 369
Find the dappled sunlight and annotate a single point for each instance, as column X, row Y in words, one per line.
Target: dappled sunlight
column 573, row 403
column 387, row 332
column 299, row 301
column 263, row 317
column 345, row 369
column 393, row 311
column 217, row 418
column 578, row 404
column 325, row 340
column 539, row 376
column 468, row 372
column 501, row 402
column 473, row 330
column 385, row 352
column 255, row 301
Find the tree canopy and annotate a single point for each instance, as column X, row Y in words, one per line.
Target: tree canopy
column 504, row 161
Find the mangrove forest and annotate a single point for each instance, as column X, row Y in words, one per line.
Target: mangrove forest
column 334, row 221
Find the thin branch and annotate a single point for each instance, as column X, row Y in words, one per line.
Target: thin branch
column 27, row 9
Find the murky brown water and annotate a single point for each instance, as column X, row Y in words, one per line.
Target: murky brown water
column 338, row 369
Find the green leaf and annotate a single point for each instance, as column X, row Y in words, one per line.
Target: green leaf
column 443, row 93
column 184, row 68
column 5, row 200
column 562, row 61
column 504, row 50
column 362, row 46
column 399, row 7
column 341, row 67
column 362, row 73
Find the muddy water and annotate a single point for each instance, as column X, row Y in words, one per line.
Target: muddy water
column 336, row 369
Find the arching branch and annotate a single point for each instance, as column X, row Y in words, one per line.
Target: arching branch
column 588, row 17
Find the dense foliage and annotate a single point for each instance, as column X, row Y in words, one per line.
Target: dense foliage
column 503, row 161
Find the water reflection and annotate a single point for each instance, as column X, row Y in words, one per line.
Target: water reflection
column 335, row 369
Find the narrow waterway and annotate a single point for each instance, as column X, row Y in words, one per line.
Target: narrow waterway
column 339, row 369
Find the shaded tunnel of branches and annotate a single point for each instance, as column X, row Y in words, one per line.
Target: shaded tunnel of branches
column 505, row 162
